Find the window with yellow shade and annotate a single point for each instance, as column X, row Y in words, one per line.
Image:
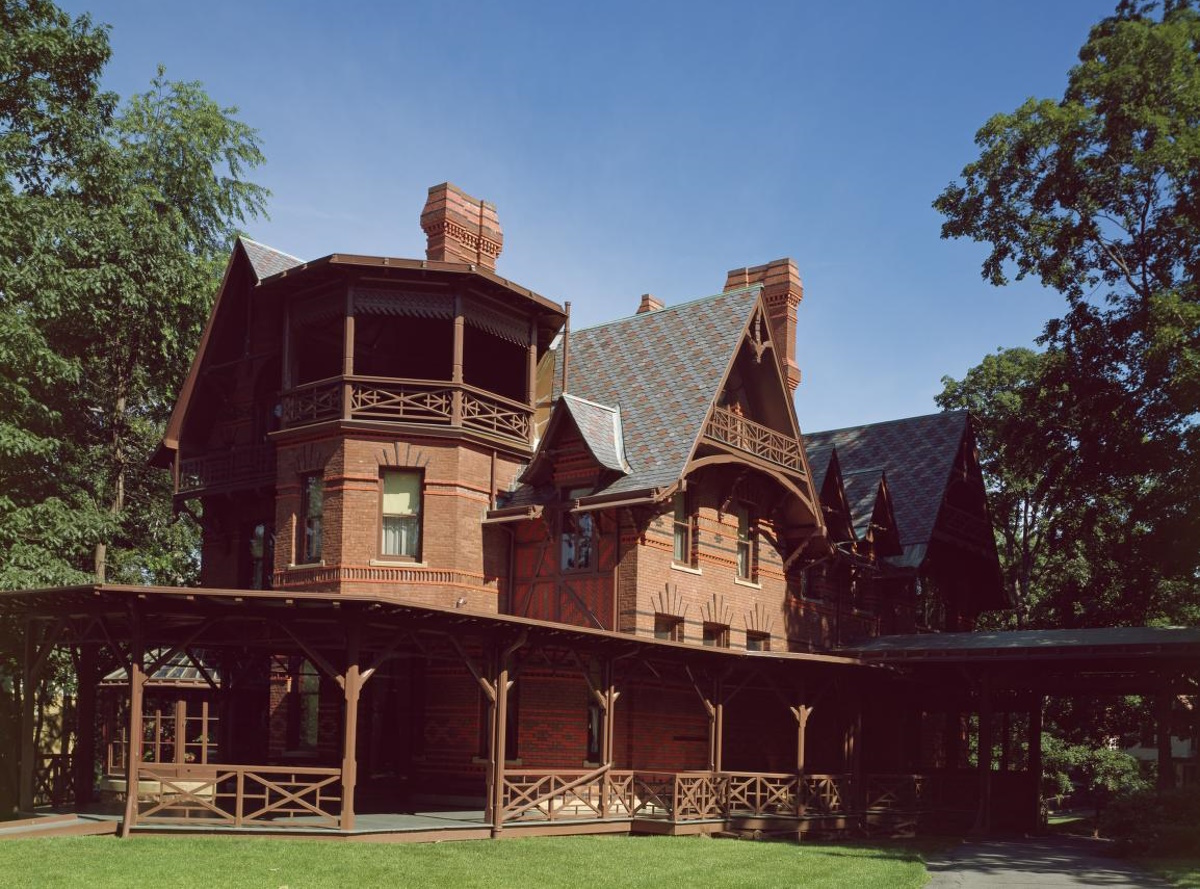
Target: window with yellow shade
column 401, row 515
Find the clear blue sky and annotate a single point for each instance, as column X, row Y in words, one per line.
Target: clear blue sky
column 649, row 147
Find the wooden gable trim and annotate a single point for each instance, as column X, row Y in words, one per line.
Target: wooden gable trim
column 170, row 441
column 807, row 495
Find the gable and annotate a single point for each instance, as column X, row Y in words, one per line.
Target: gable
column 662, row 370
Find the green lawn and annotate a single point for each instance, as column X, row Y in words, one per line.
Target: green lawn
column 1184, row 872
column 595, row 862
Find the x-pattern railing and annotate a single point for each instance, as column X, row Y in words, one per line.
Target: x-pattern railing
column 824, row 794
column 888, row 792
column 238, row 796
column 761, row 793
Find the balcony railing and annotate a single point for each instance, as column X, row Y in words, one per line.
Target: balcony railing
column 407, row 401
column 241, row 468
column 754, row 438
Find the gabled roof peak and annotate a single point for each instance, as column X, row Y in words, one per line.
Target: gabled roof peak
column 267, row 261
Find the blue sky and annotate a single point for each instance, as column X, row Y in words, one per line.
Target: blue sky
column 648, row 148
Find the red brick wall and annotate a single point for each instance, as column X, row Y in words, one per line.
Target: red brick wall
column 461, row 559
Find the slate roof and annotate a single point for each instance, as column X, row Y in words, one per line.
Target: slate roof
column 267, row 261
column 600, row 426
column 662, row 370
column 820, row 456
column 917, row 454
column 862, row 490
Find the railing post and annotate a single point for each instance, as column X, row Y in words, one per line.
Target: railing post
column 240, row 798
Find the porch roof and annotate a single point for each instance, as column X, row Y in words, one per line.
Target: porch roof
column 174, row 610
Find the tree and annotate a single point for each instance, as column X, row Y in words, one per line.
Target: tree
column 1098, row 196
column 114, row 222
column 117, row 220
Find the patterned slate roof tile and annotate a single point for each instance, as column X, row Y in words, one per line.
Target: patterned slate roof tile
column 662, row 369
column 917, row 454
column 267, row 261
column 601, row 428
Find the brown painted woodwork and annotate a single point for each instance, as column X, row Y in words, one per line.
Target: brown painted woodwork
column 350, row 686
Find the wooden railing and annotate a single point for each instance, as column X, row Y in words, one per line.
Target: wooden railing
column 886, row 793
column 407, row 401
column 54, row 783
column 746, row 435
column 547, row 795
column 761, row 793
column 241, row 796
column 240, row 468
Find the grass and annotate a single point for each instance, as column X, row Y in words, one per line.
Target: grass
column 597, row 862
column 1183, row 872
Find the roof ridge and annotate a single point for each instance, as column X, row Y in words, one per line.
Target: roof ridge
column 950, row 413
column 665, row 309
column 250, row 240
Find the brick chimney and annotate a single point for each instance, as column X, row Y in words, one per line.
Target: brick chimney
column 782, row 292
column 649, row 304
column 461, row 228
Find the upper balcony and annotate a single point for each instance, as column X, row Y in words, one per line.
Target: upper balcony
column 742, row 434
column 424, row 402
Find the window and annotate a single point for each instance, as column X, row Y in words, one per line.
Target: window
column 716, row 635
column 578, row 536
column 747, row 569
column 312, row 506
column 401, row 509
column 260, row 554
column 668, row 626
column 304, row 703
column 758, row 641
column 685, row 531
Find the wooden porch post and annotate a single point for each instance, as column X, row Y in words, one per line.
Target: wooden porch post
column 1035, row 759
column 853, row 757
column 351, row 684
column 801, row 712
column 499, row 743
column 348, row 355
column 25, row 788
column 133, row 750
column 983, row 820
column 85, row 736
column 1166, row 761
column 456, row 364
column 531, row 380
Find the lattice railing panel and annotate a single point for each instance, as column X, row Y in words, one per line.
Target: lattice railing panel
column 825, row 794
column 746, row 435
column 239, row 796
column 761, row 794
column 312, row 403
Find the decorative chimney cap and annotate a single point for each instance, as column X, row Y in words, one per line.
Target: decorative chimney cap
column 460, row 228
column 649, row 304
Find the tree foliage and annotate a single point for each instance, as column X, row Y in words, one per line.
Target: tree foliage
column 114, row 221
column 116, row 218
column 1097, row 195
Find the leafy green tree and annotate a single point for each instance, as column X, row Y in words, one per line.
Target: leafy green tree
column 115, row 219
column 1097, row 195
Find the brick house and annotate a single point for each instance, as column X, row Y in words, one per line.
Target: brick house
column 455, row 551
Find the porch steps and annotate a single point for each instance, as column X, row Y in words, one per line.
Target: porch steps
column 61, row 825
